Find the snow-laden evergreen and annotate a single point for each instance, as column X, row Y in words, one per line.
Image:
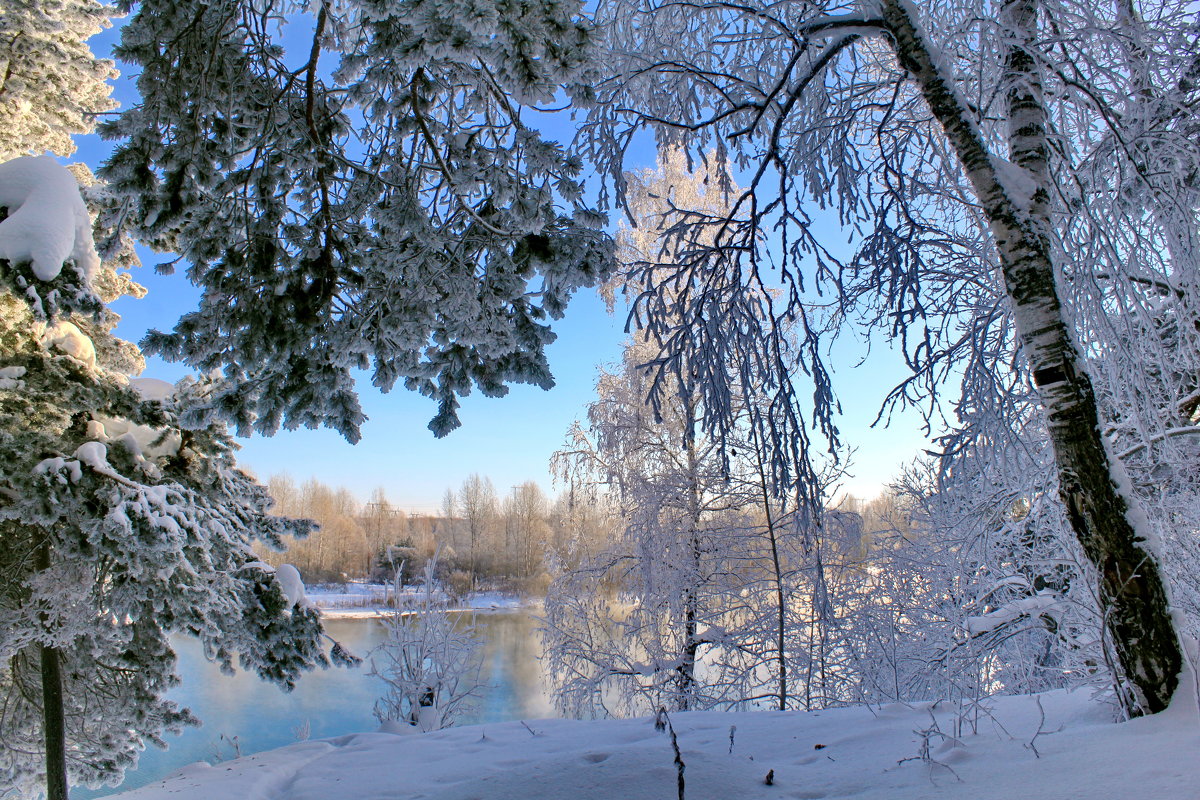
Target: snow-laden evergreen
column 377, row 200
column 119, row 526
column 50, row 82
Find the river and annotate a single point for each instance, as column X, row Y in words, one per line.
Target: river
column 243, row 714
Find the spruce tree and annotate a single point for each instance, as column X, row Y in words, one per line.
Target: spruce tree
column 376, row 199
column 118, row 525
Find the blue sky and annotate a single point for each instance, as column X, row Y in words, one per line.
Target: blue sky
column 508, row 439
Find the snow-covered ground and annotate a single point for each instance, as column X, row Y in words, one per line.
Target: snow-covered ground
column 1064, row 748
column 367, row 600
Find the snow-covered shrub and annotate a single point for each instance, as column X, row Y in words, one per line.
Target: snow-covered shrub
column 430, row 660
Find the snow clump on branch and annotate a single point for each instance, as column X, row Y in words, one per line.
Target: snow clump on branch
column 47, row 221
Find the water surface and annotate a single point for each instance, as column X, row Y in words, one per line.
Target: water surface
column 330, row 702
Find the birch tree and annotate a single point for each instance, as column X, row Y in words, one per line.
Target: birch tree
column 694, row 603
column 526, row 511
column 965, row 146
column 627, row 629
column 477, row 501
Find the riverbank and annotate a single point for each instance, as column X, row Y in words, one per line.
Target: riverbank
column 244, row 715
column 1056, row 746
column 370, row 600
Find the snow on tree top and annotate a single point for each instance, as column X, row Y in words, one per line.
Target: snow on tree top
column 152, row 388
column 10, row 378
column 47, row 221
column 144, row 441
column 95, row 455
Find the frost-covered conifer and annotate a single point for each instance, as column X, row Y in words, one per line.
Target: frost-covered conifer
column 50, row 83
column 118, row 525
column 372, row 200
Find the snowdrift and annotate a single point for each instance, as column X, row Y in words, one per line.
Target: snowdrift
column 1056, row 746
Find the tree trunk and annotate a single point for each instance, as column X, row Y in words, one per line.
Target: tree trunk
column 687, row 669
column 54, row 729
column 1132, row 595
column 53, row 725
column 777, row 572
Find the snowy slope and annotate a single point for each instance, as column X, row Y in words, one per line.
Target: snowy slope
column 844, row 753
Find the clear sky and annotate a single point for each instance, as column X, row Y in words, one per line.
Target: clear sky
column 508, row 439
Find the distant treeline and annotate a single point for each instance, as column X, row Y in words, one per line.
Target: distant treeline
column 487, row 541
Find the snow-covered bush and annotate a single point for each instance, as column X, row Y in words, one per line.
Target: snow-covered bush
column 430, row 660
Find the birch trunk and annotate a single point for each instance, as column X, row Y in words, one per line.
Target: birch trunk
column 687, row 668
column 1132, row 594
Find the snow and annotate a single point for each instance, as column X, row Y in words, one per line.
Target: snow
column 1057, row 745
column 144, row 441
column 1135, row 514
column 1019, row 183
column 95, row 455
column 47, row 221
column 152, row 388
column 67, row 338
column 291, row 585
column 492, row 601
column 369, row 600
column 1043, row 602
column 57, row 465
column 10, row 378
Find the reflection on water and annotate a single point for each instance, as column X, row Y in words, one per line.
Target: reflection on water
column 330, row 702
